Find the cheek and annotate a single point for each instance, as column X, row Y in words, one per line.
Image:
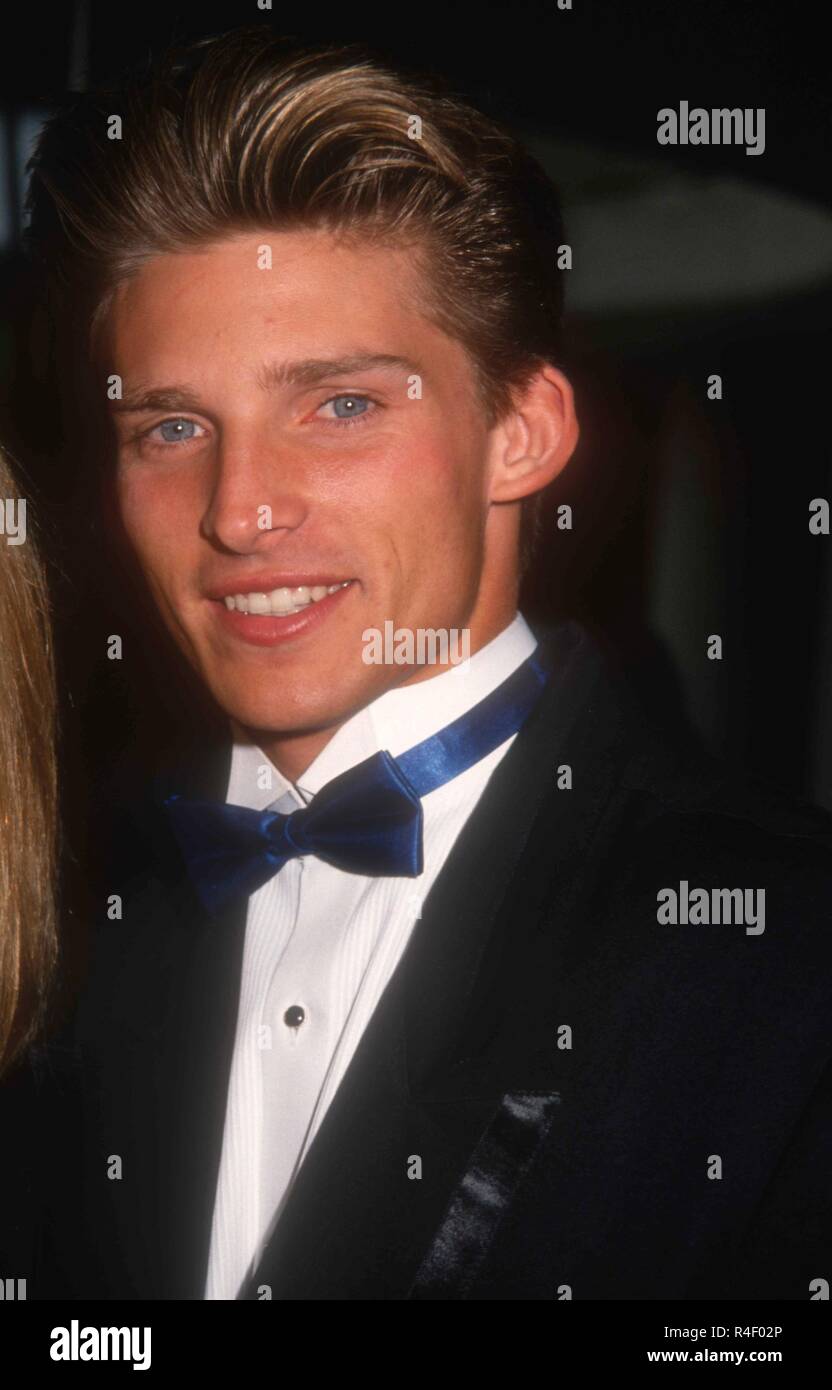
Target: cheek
column 424, row 486
column 151, row 515
column 423, row 523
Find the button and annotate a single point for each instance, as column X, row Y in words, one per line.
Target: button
column 294, row 1016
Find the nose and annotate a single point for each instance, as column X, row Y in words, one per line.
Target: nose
column 257, row 489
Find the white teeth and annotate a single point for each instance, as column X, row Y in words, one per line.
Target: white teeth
column 281, row 602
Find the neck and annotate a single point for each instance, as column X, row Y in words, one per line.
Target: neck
column 293, row 753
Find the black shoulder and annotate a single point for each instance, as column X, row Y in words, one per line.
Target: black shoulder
column 688, row 784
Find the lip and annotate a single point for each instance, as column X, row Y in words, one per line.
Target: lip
column 258, row 630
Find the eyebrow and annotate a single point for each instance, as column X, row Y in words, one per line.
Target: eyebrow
column 307, row 372
column 314, row 369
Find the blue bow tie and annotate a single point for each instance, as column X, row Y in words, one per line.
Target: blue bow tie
column 366, row 821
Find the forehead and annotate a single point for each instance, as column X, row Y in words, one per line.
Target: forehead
column 300, row 293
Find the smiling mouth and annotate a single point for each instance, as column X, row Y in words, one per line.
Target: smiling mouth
column 281, row 603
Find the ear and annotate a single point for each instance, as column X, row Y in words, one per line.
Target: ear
column 536, row 440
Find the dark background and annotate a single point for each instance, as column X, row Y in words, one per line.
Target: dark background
column 690, row 515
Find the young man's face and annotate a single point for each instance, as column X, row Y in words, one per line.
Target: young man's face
column 292, row 429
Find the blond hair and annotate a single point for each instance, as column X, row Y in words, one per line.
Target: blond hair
column 28, row 792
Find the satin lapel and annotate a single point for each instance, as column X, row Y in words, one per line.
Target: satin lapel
column 501, row 949
column 200, row 1060
column 461, row 1023
column 485, row 906
column 195, row 983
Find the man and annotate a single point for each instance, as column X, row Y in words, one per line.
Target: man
column 434, row 980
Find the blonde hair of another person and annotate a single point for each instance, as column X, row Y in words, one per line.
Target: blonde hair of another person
column 28, row 789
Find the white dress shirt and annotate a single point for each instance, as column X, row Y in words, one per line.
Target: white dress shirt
column 324, row 941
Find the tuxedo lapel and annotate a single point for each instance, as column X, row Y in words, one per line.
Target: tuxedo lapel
column 195, row 1099
column 156, row 1030
column 485, row 907
column 201, row 1028
column 463, row 1023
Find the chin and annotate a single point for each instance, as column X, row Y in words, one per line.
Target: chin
column 296, row 707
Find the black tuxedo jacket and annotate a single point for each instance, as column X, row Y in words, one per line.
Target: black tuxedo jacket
column 602, row 1106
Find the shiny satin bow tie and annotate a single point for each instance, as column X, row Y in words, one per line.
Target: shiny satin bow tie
column 366, row 821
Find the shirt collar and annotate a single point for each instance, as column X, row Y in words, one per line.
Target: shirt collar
column 395, row 721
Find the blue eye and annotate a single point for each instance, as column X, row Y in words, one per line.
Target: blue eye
column 349, row 407
column 177, row 431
